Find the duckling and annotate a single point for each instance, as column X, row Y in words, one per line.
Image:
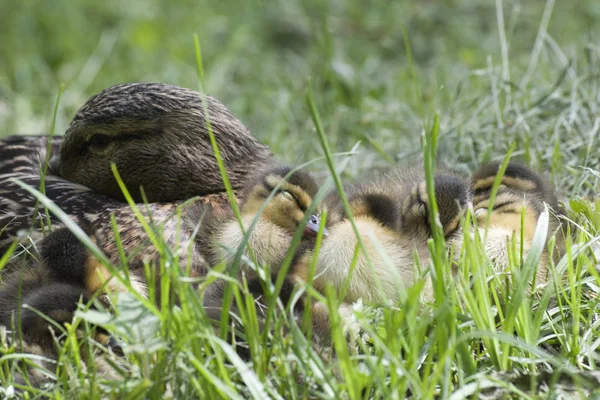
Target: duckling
column 392, row 218
column 521, row 192
column 280, row 219
column 64, row 258
column 64, row 274
column 56, row 300
column 35, row 335
column 54, row 286
column 271, row 237
column 157, row 136
column 452, row 196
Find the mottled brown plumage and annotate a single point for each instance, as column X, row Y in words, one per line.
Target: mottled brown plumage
column 156, row 134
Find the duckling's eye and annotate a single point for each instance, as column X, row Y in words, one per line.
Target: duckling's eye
column 288, row 195
column 422, row 210
column 98, row 143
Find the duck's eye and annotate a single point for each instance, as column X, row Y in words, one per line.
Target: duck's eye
column 98, row 143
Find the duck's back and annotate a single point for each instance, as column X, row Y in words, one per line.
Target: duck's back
column 21, row 159
column 25, row 154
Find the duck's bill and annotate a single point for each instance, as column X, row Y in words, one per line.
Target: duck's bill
column 313, row 226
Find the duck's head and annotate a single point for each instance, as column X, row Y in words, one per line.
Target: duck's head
column 287, row 208
column 452, row 195
column 157, row 135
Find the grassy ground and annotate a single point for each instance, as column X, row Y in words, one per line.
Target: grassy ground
column 503, row 73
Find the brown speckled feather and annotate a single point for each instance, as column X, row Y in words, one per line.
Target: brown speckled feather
column 21, row 160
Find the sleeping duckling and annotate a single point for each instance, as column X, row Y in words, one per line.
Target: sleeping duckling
column 392, row 218
column 30, row 291
column 280, row 219
column 271, row 237
column 64, row 274
column 452, row 196
column 393, row 227
column 67, row 259
column 522, row 193
column 56, row 300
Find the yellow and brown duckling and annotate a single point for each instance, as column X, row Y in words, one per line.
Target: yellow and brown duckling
column 54, row 287
column 392, row 218
column 33, row 334
column 281, row 217
column 521, row 198
column 64, row 274
column 157, row 136
column 452, row 197
column 269, row 240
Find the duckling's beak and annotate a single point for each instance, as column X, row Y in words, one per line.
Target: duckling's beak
column 312, row 227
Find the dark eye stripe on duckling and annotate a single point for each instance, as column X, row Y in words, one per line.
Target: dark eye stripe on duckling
column 452, row 195
column 516, row 176
column 506, row 202
column 417, row 203
column 416, row 206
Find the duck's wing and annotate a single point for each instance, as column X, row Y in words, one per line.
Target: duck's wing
column 23, row 158
column 20, row 211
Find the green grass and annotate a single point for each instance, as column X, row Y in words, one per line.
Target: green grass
column 378, row 75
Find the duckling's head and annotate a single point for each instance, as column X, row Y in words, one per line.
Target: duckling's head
column 293, row 195
column 518, row 180
column 157, row 135
column 452, row 194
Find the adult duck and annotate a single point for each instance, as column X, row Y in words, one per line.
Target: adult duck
column 158, row 137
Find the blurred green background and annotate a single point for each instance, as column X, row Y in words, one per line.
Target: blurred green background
column 259, row 57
